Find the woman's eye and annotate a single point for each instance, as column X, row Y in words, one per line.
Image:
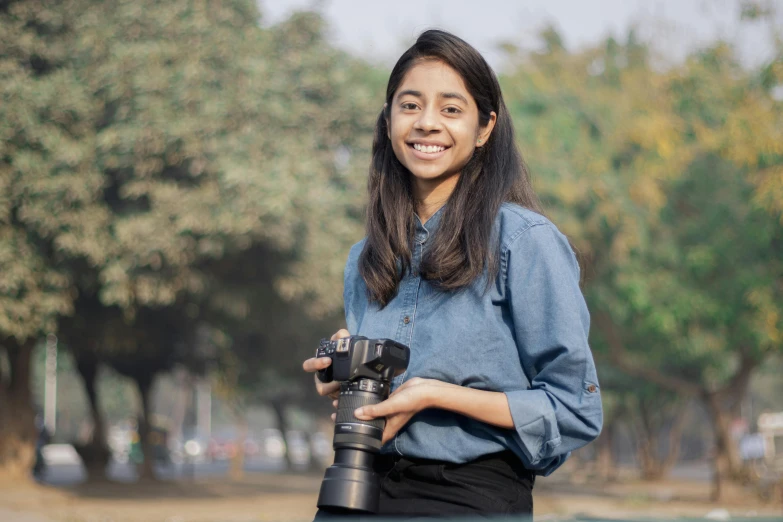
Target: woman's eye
column 452, row 110
column 409, row 106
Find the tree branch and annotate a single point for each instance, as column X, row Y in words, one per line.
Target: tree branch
column 620, row 357
column 737, row 386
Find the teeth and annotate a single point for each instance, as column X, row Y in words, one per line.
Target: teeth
column 430, row 149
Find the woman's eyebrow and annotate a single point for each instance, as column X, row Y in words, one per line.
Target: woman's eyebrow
column 446, row 95
column 410, row 92
column 454, row 95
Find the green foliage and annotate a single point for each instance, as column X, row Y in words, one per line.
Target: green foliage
column 48, row 182
column 660, row 179
column 178, row 183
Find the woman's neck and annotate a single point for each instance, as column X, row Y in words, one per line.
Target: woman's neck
column 430, row 195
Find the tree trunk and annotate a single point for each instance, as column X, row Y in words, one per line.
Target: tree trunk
column 237, row 471
column 727, row 463
column 147, row 469
column 18, row 433
column 607, row 468
column 647, row 453
column 282, row 425
column 727, row 460
column 654, row 465
column 95, row 453
column 675, row 439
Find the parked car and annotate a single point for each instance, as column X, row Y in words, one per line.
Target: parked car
column 321, row 447
column 298, row 448
column 223, row 447
column 272, row 444
column 119, row 439
column 192, row 447
column 251, row 447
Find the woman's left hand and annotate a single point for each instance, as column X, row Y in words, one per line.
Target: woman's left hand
column 406, row 401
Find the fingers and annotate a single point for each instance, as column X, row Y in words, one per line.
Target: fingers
column 413, row 381
column 342, row 332
column 334, row 417
column 332, row 389
column 316, row 363
column 382, row 409
column 388, row 433
column 393, row 425
column 319, row 363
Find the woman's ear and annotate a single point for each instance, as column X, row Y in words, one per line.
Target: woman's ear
column 484, row 132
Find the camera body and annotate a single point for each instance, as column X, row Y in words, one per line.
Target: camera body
column 364, row 368
column 358, row 357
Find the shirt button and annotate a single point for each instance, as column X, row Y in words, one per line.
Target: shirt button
column 406, row 319
column 592, row 388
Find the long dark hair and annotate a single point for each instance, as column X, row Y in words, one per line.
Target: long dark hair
column 462, row 247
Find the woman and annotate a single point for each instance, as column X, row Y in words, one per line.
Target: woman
column 460, row 265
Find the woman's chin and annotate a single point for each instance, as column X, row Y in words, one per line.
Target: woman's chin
column 429, row 178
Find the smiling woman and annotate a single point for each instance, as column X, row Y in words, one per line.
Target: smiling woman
column 460, row 265
column 434, row 130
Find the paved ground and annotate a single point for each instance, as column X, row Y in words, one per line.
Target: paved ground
column 289, row 497
column 70, row 474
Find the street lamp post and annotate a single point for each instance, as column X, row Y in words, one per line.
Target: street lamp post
column 50, row 385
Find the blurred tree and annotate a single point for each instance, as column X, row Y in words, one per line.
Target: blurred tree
column 655, row 418
column 48, row 183
column 221, row 141
column 707, row 298
column 661, row 177
column 326, row 124
column 190, row 136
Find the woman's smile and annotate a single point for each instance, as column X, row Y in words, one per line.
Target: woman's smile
column 428, row 152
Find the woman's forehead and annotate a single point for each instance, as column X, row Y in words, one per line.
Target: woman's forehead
column 431, row 78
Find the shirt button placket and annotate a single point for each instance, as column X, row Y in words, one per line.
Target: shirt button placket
column 411, row 289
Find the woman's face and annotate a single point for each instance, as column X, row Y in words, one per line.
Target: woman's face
column 434, row 125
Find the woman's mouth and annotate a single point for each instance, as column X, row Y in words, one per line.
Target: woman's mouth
column 427, row 152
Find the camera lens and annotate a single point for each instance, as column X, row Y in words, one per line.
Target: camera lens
column 350, row 483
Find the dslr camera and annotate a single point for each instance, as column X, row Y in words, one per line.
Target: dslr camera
column 364, row 368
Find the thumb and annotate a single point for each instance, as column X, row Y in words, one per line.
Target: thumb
column 371, row 411
column 342, row 332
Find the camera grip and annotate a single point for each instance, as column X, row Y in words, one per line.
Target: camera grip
column 325, row 375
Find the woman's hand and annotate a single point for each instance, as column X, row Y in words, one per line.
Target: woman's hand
column 406, row 401
column 332, row 389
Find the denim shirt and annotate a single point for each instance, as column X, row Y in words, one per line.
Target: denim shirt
column 525, row 336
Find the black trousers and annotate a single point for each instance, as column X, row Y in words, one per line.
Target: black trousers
column 496, row 484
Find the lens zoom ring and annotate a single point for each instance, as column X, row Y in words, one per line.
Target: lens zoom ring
column 349, row 402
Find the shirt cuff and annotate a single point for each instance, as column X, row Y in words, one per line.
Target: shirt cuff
column 534, row 422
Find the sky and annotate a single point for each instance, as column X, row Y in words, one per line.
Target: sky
column 379, row 30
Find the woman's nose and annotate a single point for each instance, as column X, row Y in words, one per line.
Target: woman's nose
column 428, row 120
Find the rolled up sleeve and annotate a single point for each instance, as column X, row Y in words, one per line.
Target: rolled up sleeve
column 561, row 411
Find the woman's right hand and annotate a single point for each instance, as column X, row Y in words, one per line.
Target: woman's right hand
column 332, row 389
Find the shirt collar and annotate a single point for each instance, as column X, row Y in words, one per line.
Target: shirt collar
column 423, row 230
